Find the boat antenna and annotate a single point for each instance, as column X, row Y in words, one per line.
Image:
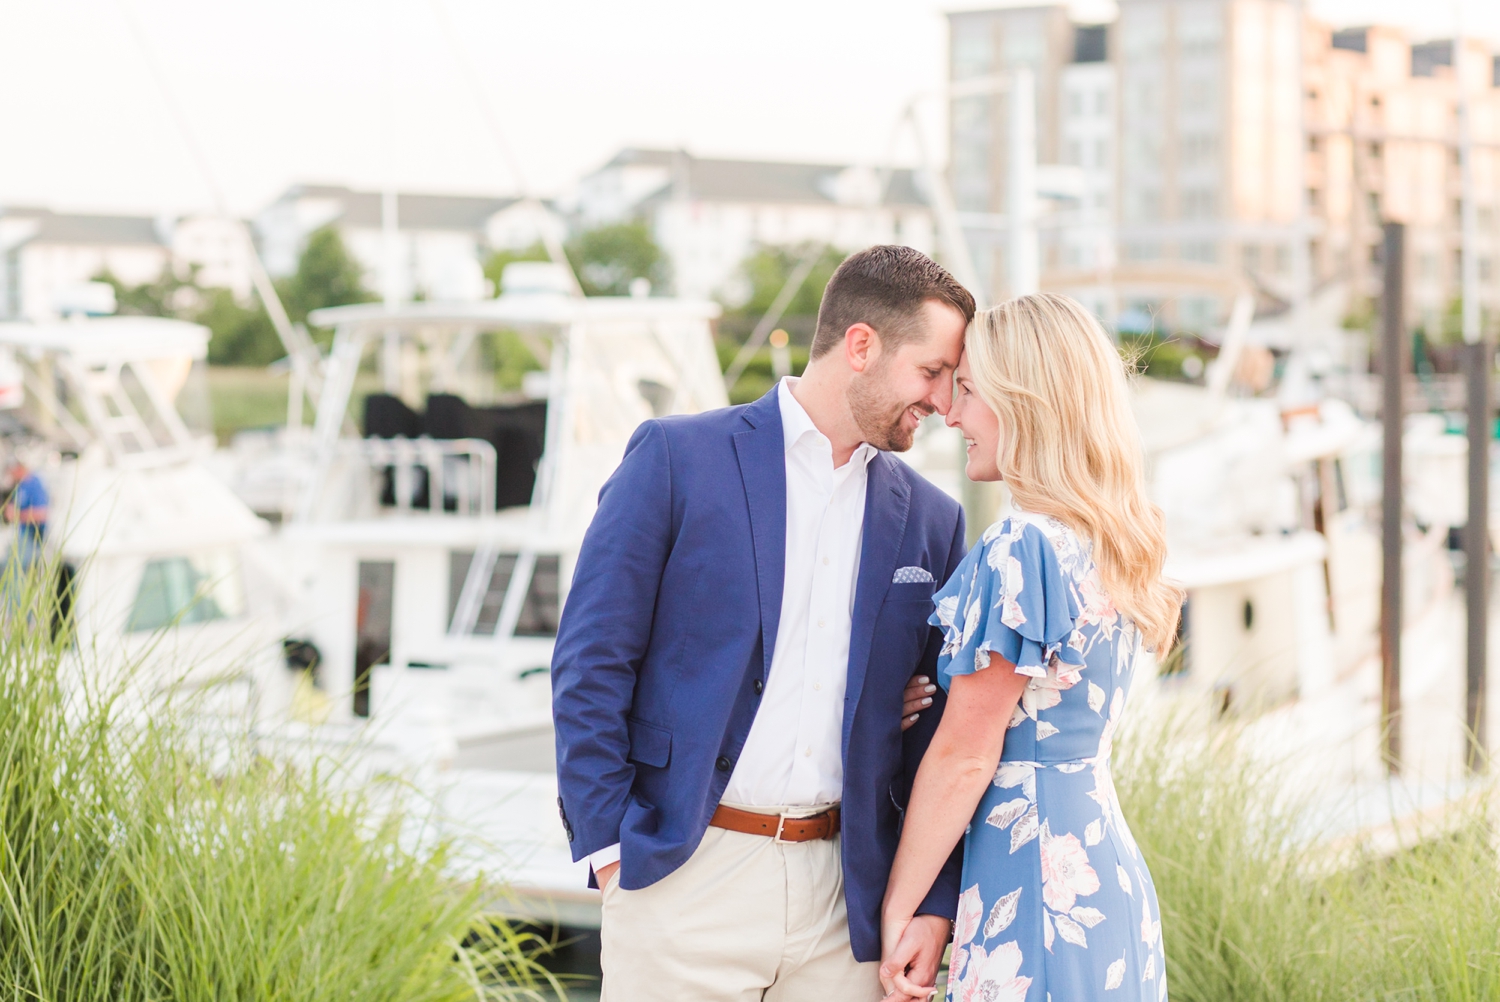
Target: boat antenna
column 299, row 347
column 492, row 121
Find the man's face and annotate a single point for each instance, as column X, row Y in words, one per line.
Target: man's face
column 892, row 395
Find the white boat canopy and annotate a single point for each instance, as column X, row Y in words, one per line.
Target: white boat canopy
column 107, row 340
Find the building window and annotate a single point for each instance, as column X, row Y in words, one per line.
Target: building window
column 1427, row 265
column 1199, row 203
column 1075, row 104
column 1197, row 313
column 973, row 52
column 1312, row 144
column 1199, row 149
column 1143, row 251
column 1283, row 260
column 1074, row 154
column 1101, row 103
column 1250, row 257
column 1201, row 251
column 1484, row 269
column 198, row 588
column 1312, row 199
column 1372, row 202
column 1101, row 153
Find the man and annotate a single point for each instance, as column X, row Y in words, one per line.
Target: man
column 27, row 508
column 748, row 605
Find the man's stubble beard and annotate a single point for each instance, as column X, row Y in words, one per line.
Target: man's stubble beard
column 879, row 415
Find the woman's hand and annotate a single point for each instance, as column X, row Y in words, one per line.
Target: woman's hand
column 916, row 698
column 912, row 951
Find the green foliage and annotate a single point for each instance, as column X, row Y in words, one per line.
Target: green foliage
column 1157, row 355
column 153, row 299
column 510, row 358
column 1361, row 314
column 242, row 335
column 759, row 376
column 494, row 266
column 1255, row 908
column 767, row 269
column 327, row 275
column 607, row 258
column 143, row 861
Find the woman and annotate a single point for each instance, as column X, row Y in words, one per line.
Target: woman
column 1041, row 622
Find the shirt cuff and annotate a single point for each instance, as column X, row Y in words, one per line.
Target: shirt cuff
column 609, row 854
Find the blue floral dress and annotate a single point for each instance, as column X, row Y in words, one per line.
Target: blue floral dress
column 1058, row 904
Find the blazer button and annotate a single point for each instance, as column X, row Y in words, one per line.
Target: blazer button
column 568, row 830
column 723, row 763
column 759, row 687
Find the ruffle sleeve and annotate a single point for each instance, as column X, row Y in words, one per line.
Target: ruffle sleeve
column 1008, row 597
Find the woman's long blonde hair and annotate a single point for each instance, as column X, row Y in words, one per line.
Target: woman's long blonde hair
column 1070, row 447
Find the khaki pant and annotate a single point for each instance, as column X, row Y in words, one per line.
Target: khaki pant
column 744, row 919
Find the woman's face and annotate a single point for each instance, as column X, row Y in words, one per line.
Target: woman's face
column 980, row 426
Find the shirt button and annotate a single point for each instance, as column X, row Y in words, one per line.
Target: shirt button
column 825, row 561
column 817, row 687
column 820, row 624
column 759, row 687
column 723, row 763
column 807, row 752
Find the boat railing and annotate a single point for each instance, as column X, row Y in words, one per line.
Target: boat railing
column 454, row 476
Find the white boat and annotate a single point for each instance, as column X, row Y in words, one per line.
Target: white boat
column 427, row 541
column 156, row 554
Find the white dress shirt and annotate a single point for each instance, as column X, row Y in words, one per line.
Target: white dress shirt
column 793, row 756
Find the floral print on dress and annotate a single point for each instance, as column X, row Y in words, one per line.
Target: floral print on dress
column 1058, row 901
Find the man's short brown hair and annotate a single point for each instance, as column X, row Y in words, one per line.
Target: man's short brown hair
column 885, row 286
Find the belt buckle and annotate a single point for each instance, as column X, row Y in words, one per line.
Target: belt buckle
column 781, row 826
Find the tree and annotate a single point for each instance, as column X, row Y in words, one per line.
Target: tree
column 607, row 259
column 242, row 335
column 494, row 266
column 327, row 275
column 767, row 269
column 161, row 298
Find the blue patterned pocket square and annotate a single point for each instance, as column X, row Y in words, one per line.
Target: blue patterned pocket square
column 912, row 575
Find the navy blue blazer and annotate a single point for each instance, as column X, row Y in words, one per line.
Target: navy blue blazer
column 666, row 640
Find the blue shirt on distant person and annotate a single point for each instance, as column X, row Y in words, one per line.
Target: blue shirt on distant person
column 27, row 507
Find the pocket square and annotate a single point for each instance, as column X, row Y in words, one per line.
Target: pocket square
column 912, row 575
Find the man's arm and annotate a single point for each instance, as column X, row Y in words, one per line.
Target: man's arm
column 942, row 900
column 602, row 638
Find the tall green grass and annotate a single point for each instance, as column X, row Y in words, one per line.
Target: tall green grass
column 140, row 860
column 1257, row 904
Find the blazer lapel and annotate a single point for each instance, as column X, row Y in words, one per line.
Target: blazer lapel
column 761, row 450
column 887, row 503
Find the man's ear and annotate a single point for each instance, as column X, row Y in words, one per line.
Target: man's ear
column 861, row 346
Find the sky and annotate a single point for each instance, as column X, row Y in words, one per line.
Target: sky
column 375, row 92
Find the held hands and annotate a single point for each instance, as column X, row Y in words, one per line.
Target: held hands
column 916, row 698
column 913, row 949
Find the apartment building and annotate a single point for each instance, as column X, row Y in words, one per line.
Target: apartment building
column 1227, row 147
column 439, row 245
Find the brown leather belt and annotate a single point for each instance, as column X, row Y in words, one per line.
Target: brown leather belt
column 778, row 826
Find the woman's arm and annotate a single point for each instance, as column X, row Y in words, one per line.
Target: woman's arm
column 959, row 764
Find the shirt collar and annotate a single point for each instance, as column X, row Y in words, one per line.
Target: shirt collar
column 796, row 425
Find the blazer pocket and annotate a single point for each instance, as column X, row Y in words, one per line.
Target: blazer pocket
column 649, row 744
column 912, row 591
